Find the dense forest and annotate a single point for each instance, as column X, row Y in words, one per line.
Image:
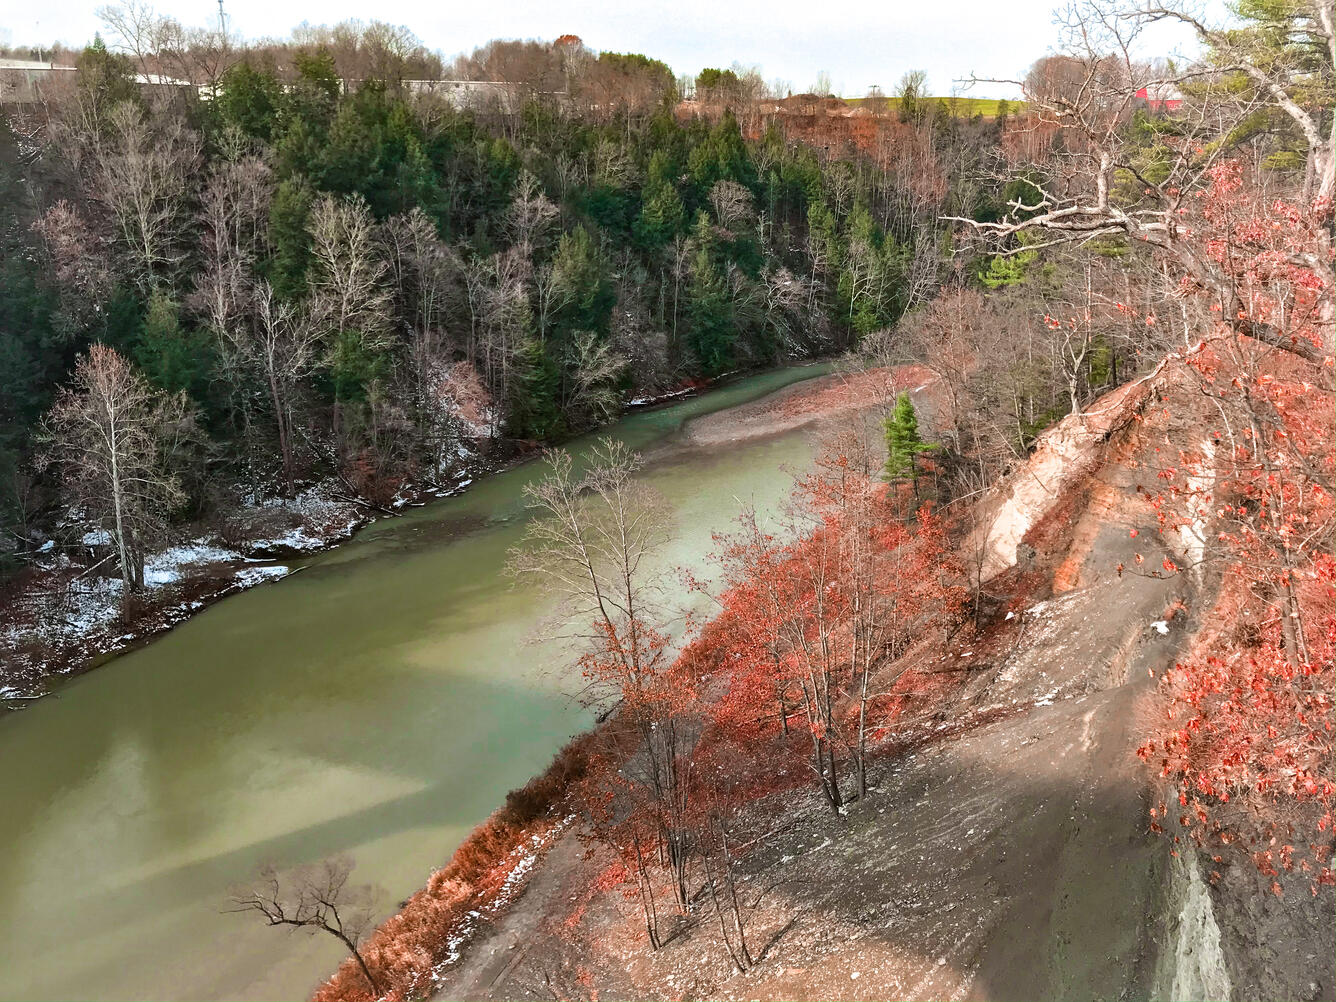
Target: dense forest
column 306, row 266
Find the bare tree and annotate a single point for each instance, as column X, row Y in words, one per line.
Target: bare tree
column 350, row 297
column 144, row 175
column 506, row 319
column 138, row 30
column 732, row 204
column 234, row 211
column 164, row 51
column 531, row 213
column 910, row 93
column 788, row 313
column 285, row 343
column 639, row 340
column 315, row 897
column 593, row 544
column 426, row 274
column 349, row 288
column 371, row 51
column 116, row 441
column 596, row 366
column 553, row 292
column 77, row 250
column 1089, row 95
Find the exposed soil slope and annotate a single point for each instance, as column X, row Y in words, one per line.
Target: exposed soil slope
column 1005, row 852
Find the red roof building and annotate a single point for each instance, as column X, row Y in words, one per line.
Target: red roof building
column 1162, row 98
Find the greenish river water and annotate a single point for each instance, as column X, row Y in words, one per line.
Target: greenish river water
column 380, row 703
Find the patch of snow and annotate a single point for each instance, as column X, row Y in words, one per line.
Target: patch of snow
column 660, row 398
column 248, row 576
column 96, row 537
column 1161, row 627
column 170, row 565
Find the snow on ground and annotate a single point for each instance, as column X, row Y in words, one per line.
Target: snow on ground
column 316, row 517
column 661, row 397
column 72, row 616
column 72, row 611
column 172, row 564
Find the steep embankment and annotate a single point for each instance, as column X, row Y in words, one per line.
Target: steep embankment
column 1005, row 852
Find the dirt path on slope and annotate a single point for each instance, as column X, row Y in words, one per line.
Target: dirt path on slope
column 499, row 951
column 1012, row 862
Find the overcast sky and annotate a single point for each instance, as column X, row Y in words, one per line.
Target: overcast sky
column 859, row 42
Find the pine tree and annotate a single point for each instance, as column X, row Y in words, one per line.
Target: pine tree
column 662, row 215
column 173, row 357
column 290, row 239
column 902, row 440
column 709, row 305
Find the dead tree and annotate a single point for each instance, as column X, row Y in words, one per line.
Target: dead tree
column 315, row 897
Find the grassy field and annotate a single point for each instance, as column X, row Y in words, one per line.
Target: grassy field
column 986, row 106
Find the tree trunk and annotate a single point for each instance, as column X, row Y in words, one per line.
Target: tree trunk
column 284, row 446
column 366, row 971
column 118, row 508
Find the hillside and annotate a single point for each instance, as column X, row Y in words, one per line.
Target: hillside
column 1005, row 852
column 905, row 527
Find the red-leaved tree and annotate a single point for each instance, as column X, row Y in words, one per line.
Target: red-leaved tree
column 1248, row 715
column 815, row 624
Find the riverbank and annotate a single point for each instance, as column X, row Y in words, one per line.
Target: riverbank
column 417, row 950
column 379, row 703
column 1005, row 848
column 65, row 614
column 824, row 398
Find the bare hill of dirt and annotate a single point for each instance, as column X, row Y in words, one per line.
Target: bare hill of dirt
column 1005, row 852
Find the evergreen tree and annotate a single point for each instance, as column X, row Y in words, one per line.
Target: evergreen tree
column 104, row 80
column 171, row 357
column 709, row 307
column 248, row 99
column 289, row 238
column 579, row 270
column 903, row 444
column 662, row 214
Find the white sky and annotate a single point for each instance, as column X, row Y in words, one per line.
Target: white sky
column 860, row 42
